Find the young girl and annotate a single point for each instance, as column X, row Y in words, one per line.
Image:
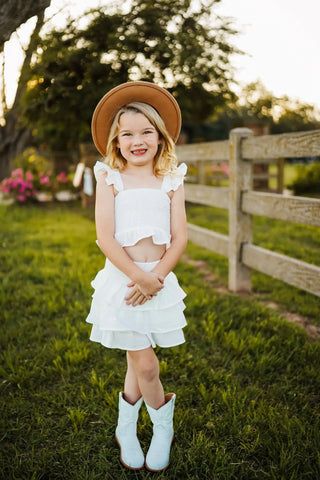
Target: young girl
column 141, row 229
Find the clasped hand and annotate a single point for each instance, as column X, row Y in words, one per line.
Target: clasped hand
column 145, row 289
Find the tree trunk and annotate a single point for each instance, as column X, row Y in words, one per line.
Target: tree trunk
column 14, row 137
column 13, row 140
column 14, row 13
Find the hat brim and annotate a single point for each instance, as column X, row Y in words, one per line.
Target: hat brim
column 145, row 92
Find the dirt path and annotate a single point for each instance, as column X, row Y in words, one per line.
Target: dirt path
column 313, row 331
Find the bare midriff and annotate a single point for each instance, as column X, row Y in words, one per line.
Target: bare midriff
column 145, row 251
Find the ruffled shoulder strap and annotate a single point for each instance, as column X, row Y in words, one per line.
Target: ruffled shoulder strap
column 174, row 179
column 113, row 177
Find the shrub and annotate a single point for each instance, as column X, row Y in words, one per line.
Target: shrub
column 307, row 181
column 33, row 175
column 20, row 186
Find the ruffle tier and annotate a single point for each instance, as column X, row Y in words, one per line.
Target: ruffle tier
column 131, row 236
column 159, row 319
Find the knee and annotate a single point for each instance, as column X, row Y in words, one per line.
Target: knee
column 148, row 369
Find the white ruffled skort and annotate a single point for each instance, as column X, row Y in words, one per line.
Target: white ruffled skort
column 117, row 325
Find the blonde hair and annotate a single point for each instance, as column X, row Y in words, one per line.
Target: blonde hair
column 165, row 160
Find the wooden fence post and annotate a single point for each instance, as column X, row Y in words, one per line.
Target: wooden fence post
column 280, row 179
column 201, row 172
column 240, row 224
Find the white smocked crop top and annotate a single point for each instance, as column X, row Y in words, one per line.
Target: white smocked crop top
column 142, row 212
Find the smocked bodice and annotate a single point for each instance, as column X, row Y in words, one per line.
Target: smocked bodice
column 142, row 212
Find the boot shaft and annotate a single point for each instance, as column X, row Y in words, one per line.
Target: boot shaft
column 128, row 413
column 164, row 414
column 158, row 456
column 131, row 454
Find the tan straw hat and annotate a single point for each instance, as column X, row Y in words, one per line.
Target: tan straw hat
column 145, row 92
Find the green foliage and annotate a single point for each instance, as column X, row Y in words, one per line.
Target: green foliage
column 260, row 107
column 173, row 43
column 307, row 181
column 290, row 173
column 247, row 382
column 31, row 161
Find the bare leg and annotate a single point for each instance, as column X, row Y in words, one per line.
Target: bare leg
column 131, row 387
column 143, row 378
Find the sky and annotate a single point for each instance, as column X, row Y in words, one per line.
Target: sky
column 281, row 39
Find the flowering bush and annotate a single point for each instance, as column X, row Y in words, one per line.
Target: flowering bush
column 43, row 181
column 34, row 177
column 63, row 182
column 19, row 186
column 222, row 168
column 23, row 186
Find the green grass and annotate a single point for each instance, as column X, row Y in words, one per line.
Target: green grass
column 298, row 241
column 290, row 173
column 247, row 382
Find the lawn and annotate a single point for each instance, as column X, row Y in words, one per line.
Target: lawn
column 298, row 241
column 247, row 381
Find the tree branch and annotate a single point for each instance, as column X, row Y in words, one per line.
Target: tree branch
column 14, row 13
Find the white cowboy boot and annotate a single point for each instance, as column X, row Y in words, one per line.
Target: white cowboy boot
column 131, row 454
column 158, row 456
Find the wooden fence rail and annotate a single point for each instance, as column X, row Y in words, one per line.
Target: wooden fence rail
column 241, row 151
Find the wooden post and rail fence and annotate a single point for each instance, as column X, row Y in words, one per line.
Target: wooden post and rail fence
column 242, row 151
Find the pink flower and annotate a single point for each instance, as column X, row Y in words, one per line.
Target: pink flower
column 17, row 173
column 21, row 198
column 62, row 177
column 225, row 168
column 29, row 176
column 45, row 181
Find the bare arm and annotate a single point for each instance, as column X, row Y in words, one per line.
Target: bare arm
column 178, row 234
column 148, row 283
column 178, row 240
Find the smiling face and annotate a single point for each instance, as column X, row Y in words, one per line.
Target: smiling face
column 138, row 139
